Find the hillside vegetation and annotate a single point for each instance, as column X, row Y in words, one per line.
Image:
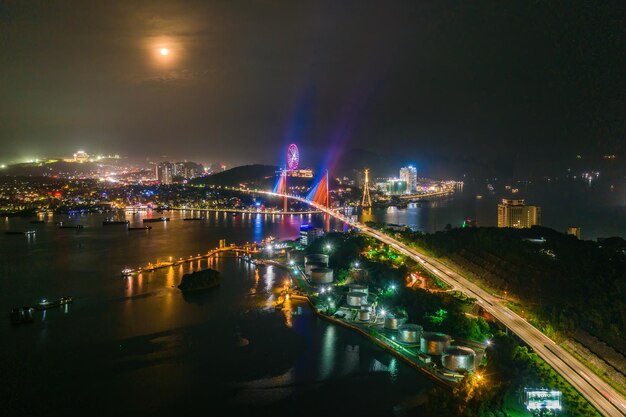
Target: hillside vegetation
column 571, row 284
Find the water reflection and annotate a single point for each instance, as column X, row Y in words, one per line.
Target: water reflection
column 269, row 278
column 351, row 359
column 329, row 347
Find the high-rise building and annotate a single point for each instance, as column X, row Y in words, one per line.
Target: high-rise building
column 409, row 176
column 308, row 234
column 164, row 173
column 574, row 231
column 514, row 213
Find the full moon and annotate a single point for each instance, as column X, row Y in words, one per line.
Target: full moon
column 164, row 51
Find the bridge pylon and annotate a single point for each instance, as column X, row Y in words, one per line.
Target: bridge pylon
column 366, row 201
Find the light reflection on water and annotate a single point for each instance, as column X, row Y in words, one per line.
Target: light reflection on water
column 327, row 360
column 123, row 337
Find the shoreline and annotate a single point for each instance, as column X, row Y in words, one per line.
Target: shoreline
column 380, row 343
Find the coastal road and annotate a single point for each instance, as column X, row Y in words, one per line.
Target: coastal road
column 600, row 394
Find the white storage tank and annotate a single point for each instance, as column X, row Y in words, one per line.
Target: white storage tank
column 391, row 322
column 317, row 257
column 410, row 333
column 356, row 299
column 364, row 314
column 308, row 266
column 357, row 288
column 434, row 343
column 458, row 358
column 321, row 275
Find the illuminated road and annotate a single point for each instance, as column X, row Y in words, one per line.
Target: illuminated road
column 601, row 395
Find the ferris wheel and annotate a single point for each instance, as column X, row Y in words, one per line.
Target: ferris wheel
column 293, row 157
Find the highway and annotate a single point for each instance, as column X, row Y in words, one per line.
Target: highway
column 601, row 395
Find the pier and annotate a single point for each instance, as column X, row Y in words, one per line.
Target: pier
column 160, row 264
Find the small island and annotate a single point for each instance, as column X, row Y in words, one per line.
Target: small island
column 200, row 280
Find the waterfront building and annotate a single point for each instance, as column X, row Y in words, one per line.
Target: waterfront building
column 395, row 186
column 514, row 213
column 308, row 234
column 575, row 231
column 409, row 176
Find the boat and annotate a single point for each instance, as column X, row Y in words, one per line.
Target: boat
column 27, row 314
column 127, row 272
column 140, row 228
column 15, row 315
column 78, row 226
column 37, row 222
column 478, row 196
column 45, row 304
column 189, row 219
column 157, row 219
column 200, row 280
column 111, row 222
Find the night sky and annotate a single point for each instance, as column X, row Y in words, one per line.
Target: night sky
column 243, row 79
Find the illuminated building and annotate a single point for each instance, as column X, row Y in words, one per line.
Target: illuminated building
column 574, row 231
column 409, row 176
column 81, row 156
column 395, row 186
column 514, row 213
column 164, row 173
column 302, row 173
column 187, row 170
column 296, row 173
column 308, row 234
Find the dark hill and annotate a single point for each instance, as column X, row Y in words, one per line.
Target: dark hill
column 251, row 175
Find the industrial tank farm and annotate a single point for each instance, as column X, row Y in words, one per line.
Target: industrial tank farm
column 356, row 299
column 391, row 322
column 358, row 288
column 309, row 266
column 458, row 358
column 410, row 333
column 316, row 257
column 434, row 343
column 321, row 275
column 365, row 312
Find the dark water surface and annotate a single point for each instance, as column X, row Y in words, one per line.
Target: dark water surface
column 598, row 208
column 139, row 347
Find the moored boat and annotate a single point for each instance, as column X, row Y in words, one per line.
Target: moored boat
column 157, row 219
